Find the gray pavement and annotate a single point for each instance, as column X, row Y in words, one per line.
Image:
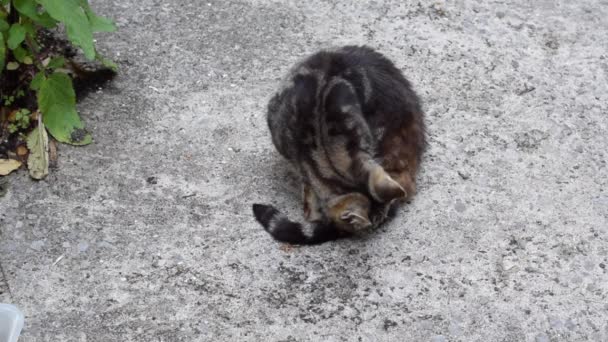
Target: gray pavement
column 147, row 235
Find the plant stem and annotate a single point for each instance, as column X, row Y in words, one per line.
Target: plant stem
column 10, row 77
column 13, row 15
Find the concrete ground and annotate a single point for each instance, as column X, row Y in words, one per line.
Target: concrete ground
column 147, row 235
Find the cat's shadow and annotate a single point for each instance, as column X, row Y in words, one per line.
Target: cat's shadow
column 286, row 181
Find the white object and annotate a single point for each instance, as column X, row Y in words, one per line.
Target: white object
column 11, row 323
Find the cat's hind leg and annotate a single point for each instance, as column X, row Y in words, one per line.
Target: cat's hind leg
column 400, row 151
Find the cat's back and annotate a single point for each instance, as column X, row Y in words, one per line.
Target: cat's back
column 384, row 94
column 346, row 60
column 301, row 88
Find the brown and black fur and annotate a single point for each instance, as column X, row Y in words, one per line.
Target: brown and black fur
column 351, row 125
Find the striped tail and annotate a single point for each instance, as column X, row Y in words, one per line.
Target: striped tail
column 285, row 230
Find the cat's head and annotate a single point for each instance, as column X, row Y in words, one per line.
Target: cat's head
column 350, row 212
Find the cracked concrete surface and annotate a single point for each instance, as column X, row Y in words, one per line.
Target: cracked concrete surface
column 147, row 235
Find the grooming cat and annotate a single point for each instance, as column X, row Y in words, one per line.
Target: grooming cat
column 353, row 128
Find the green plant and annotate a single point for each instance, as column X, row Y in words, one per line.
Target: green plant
column 23, row 59
column 8, row 100
column 21, row 120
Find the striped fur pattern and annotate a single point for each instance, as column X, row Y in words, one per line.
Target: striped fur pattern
column 353, row 128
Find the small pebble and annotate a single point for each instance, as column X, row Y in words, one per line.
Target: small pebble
column 542, row 338
column 439, row 338
column 37, row 245
column 460, row 207
column 570, row 324
column 83, row 246
column 464, row 175
column 105, row 244
column 454, row 329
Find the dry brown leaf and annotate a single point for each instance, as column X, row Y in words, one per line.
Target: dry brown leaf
column 38, row 160
column 22, row 151
column 52, row 151
column 12, row 115
column 8, row 165
column 287, row 248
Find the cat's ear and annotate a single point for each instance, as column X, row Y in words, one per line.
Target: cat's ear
column 350, row 211
column 356, row 218
column 382, row 187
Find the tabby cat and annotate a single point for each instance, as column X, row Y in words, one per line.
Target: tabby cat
column 353, row 128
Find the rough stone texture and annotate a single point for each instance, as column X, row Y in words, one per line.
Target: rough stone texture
column 147, row 234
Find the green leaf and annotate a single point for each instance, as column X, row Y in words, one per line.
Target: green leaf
column 76, row 22
column 29, row 28
column 29, row 8
column 4, row 26
column 37, row 81
column 12, row 66
column 31, row 31
column 46, row 21
column 57, row 102
column 56, row 62
column 38, row 160
column 26, row 7
column 107, row 62
column 98, row 23
column 2, row 53
column 19, row 54
column 16, row 35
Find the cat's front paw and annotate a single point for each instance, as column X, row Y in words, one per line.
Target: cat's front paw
column 380, row 215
